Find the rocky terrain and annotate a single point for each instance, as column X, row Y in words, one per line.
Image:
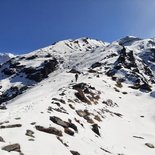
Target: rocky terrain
column 108, row 109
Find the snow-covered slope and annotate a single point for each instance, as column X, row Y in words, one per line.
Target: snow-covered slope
column 110, row 109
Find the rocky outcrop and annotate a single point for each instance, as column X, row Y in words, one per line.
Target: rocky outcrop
column 128, row 65
column 23, row 74
column 86, row 93
column 41, row 72
column 11, row 93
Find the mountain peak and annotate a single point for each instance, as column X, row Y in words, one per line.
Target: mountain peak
column 128, row 40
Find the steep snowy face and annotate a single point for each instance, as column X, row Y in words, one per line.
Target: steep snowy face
column 5, row 57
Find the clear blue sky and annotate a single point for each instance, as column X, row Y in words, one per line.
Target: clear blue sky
column 26, row 25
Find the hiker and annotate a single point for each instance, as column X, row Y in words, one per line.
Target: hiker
column 76, row 77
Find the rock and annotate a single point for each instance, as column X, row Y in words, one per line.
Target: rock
column 60, row 100
column 81, row 96
column 29, row 133
column 110, row 103
column 62, row 123
column 75, row 152
column 89, row 120
column 138, row 137
column 10, row 126
column 80, row 86
column 71, row 106
column 31, row 139
column 17, row 118
column 142, row 116
column 74, row 71
column 95, row 129
column 81, row 113
column 97, row 64
column 62, row 142
column 124, row 92
column 50, row 130
column 9, row 71
column 117, row 90
column 96, row 117
column 105, row 150
column 59, row 121
column 31, row 57
column 118, row 84
column 3, row 107
column 152, row 94
column 12, row 147
column 118, row 114
column 92, row 71
column 1, row 139
column 145, row 87
column 150, row 145
column 33, row 123
column 68, row 131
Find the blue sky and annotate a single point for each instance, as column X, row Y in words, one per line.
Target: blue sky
column 26, row 25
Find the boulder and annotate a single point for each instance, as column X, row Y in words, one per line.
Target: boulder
column 10, row 126
column 150, row 145
column 1, row 139
column 96, row 64
column 12, row 147
column 81, row 96
column 81, row 113
column 3, row 107
column 95, row 128
column 62, row 123
column 75, row 152
column 74, row 71
column 68, row 131
column 9, row 71
column 50, row 130
column 29, row 133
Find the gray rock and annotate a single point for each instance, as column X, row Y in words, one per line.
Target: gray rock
column 75, row 152
column 149, row 145
column 29, row 133
column 95, row 128
column 50, row 130
column 10, row 126
column 12, row 147
column 1, row 139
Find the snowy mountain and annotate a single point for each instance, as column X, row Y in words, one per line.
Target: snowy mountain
column 5, row 57
column 108, row 109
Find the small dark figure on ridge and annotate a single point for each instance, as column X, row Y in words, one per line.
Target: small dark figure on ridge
column 76, row 77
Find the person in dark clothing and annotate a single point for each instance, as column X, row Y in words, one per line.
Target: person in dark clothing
column 76, row 77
